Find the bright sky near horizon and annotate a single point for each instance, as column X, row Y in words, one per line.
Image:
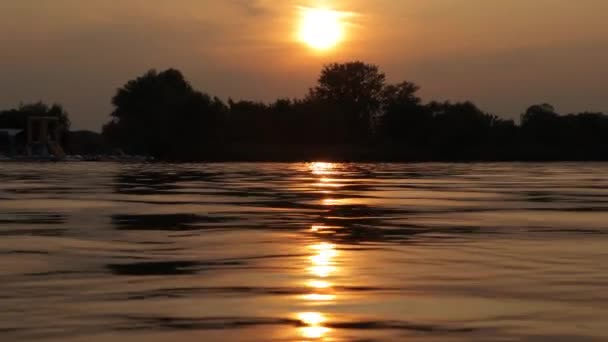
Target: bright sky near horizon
column 502, row 54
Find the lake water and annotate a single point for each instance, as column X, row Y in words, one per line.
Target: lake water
column 303, row 252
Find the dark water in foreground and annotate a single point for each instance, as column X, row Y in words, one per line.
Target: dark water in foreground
column 304, row 252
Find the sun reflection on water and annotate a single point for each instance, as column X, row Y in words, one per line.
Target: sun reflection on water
column 321, row 168
column 317, row 228
column 319, row 284
column 328, row 183
column 324, row 230
column 313, row 322
column 322, row 271
column 325, row 254
column 323, row 265
column 314, row 332
column 319, row 297
column 311, row 318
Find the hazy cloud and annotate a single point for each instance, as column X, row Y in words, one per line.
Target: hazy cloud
column 252, row 7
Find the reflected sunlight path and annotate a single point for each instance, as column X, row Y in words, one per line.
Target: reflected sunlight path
column 322, row 268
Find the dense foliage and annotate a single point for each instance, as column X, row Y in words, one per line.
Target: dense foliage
column 18, row 118
column 352, row 113
column 160, row 114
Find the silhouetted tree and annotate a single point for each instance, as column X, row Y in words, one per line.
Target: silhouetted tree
column 542, row 125
column 160, row 114
column 459, row 126
column 586, row 129
column 18, row 118
column 353, row 94
column 248, row 122
column 350, row 114
column 504, row 133
column 404, row 118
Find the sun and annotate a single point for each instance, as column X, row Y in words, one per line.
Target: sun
column 321, row 28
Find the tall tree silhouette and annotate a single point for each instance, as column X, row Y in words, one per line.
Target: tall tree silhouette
column 542, row 125
column 160, row 114
column 354, row 92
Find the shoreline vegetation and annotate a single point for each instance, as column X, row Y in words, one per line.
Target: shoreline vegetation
column 351, row 114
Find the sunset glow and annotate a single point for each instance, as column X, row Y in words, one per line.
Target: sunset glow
column 304, row 170
column 321, row 29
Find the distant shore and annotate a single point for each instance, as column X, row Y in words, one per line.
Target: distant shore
column 376, row 154
column 352, row 114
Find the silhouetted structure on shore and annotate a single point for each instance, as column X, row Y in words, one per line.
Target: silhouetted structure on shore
column 33, row 130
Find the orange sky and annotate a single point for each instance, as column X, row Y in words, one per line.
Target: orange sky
column 502, row 54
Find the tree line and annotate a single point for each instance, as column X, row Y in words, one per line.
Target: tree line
column 352, row 113
column 17, row 118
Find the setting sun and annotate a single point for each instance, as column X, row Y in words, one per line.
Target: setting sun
column 321, row 28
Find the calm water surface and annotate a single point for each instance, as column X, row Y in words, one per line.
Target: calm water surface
column 303, row 252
